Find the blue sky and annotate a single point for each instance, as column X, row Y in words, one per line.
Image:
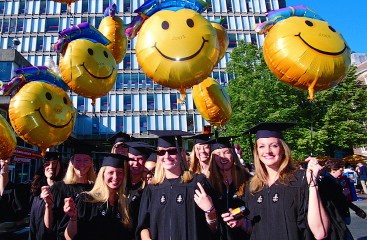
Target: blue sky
column 349, row 17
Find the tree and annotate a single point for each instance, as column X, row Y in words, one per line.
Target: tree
column 257, row 96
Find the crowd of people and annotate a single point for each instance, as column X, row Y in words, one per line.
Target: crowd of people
column 141, row 191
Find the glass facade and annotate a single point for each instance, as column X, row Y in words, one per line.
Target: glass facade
column 135, row 104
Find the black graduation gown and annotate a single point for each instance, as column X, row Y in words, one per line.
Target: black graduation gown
column 223, row 202
column 134, row 193
column 279, row 211
column 170, row 212
column 37, row 230
column 60, row 191
column 97, row 221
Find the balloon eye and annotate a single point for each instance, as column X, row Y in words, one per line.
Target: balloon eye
column 190, row 22
column 90, row 51
column 65, row 100
column 48, row 96
column 105, row 54
column 332, row 29
column 309, row 23
column 165, row 25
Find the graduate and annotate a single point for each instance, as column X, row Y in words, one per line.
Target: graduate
column 138, row 152
column 200, row 154
column 177, row 205
column 284, row 202
column 45, row 177
column 79, row 177
column 228, row 177
column 101, row 213
column 118, row 141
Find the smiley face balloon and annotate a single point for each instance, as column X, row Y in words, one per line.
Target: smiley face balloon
column 176, row 46
column 303, row 50
column 86, row 64
column 8, row 142
column 41, row 113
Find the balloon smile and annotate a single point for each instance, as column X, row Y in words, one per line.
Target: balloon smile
column 184, row 58
column 53, row 125
column 320, row 51
column 95, row 75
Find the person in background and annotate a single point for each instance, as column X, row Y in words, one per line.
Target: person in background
column 101, row 213
column 138, row 153
column 200, row 154
column 14, row 202
column 149, row 168
column 238, row 151
column 284, row 202
column 79, row 177
column 228, row 177
column 118, row 141
column 353, row 178
column 177, row 205
column 362, row 172
column 45, row 177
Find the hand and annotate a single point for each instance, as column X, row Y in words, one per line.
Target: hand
column 46, row 195
column 232, row 222
column 202, row 200
column 70, row 208
column 313, row 170
column 4, row 167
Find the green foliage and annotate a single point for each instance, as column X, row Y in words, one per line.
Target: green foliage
column 333, row 121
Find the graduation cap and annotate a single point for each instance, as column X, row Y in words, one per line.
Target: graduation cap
column 200, row 138
column 114, row 160
column 120, row 137
column 270, row 129
column 52, row 156
column 221, row 142
column 152, row 157
column 82, row 150
column 171, row 138
column 139, row 148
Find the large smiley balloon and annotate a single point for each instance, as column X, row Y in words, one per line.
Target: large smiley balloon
column 176, row 46
column 303, row 50
column 112, row 27
column 86, row 64
column 8, row 141
column 212, row 101
column 41, row 113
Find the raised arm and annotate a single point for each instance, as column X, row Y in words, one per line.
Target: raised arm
column 71, row 210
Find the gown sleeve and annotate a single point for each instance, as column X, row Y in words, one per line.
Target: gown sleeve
column 144, row 212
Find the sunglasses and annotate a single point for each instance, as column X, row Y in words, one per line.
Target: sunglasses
column 172, row 151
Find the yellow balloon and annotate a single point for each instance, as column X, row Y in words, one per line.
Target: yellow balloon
column 177, row 49
column 212, row 101
column 42, row 114
column 306, row 53
column 8, row 141
column 113, row 29
column 222, row 39
column 88, row 68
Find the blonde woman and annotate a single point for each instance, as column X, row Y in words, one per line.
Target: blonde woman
column 200, row 154
column 284, row 202
column 79, row 177
column 228, row 177
column 177, row 204
column 101, row 213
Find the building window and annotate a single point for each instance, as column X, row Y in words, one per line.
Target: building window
column 39, row 44
column 12, row 25
column 2, row 7
column 5, row 27
column 127, row 61
column 150, row 101
column 5, row 71
column 173, row 101
column 22, row 7
column 232, row 41
column 127, row 102
column 64, row 8
column 95, row 125
column 43, row 7
column 190, row 122
column 84, row 6
column 119, row 81
column 52, row 25
column 229, row 5
column 20, row 25
column 80, row 105
column 143, row 124
column 119, row 123
column 104, row 103
column 134, row 80
column 126, row 77
column 126, row 5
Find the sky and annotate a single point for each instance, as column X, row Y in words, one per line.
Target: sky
column 349, row 17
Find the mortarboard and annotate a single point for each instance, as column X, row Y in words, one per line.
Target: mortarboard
column 120, row 137
column 200, row 138
column 114, row 160
column 221, row 142
column 270, row 129
column 168, row 138
column 139, row 148
column 50, row 156
column 82, row 150
column 152, row 157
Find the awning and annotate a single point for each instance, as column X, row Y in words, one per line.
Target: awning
column 26, row 153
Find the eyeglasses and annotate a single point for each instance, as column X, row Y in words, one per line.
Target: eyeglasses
column 171, row 151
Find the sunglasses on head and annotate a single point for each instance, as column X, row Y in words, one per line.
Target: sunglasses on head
column 172, row 151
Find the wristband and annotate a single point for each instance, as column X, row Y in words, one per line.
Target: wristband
column 210, row 210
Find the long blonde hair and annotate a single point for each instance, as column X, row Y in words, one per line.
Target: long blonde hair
column 239, row 175
column 160, row 173
column 286, row 169
column 70, row 177
column 195, row 166
column 100, row 193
